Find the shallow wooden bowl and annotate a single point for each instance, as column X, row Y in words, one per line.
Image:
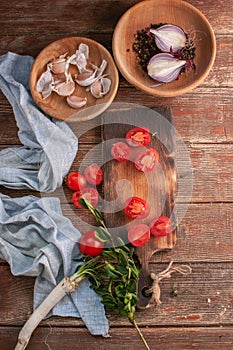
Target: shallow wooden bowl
column 55, row 105
column 177, row 12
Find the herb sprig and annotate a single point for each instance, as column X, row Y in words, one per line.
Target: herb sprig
column 113, row 274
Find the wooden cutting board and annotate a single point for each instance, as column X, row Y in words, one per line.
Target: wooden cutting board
column 122, row 180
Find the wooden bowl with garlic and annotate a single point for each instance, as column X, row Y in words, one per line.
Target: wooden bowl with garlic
column 74, row 79
column 164, row 48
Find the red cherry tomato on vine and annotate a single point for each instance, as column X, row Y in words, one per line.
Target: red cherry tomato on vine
column 147, row 160
column 120, row 151
column 136, row 208
column 76, row 181
column 94, row 174
column 138, row 137
column 91, row 194
column 90, row 245
column 161, row 226
column 139, row 234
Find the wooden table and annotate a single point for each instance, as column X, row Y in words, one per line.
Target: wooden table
column 201, row 316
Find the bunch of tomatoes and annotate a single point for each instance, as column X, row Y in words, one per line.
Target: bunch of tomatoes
column 135, row 207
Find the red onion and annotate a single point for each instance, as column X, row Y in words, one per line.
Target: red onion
column 169, row 37
column 164, row 67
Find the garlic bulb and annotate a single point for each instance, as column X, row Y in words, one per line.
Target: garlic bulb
column 164, row 67
column 169, row 38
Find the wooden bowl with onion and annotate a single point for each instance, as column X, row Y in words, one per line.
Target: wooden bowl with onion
column 86, row 106
column 178, row 13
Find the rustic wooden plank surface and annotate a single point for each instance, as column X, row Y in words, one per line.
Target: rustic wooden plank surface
column 204, row 298
column 200, row 317
column 213, row 338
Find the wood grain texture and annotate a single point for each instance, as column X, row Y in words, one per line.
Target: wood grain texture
column 211, row 182
column 122, row 181
column 213, row 338
column 213, row 306
column 200, row 317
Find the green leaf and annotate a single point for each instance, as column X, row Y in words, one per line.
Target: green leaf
column 132, row 286
column 120, row 291
column 97, row 214
column 82, row 202
column 110, row 273
column 110, row 254
column 122, row 270
column 87, row 205
column 120, row 241
column 124, row 258
column 100, row 235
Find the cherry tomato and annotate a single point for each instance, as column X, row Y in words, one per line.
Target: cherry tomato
column 94, row 174
column 90, row 245
column 138, row 137
column 76, row 181
column 91, row 194
column 147, row 160
column 161, row 226
column 120, row 151
column 136, row 208
column 139, row 234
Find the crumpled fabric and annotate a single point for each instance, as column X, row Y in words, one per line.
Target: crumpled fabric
column 35, row 238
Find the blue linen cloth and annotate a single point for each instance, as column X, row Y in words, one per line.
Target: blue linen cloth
column 35, row 238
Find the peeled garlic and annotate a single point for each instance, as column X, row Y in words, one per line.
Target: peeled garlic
column 76, row 102
column 100, row 87
column 169, row 38
column 164, row 67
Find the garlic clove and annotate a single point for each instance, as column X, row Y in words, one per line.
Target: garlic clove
column 97, row 73
column 76, row 102
column 80, row 57
column 84, row 49
column 46, row 93
column 169, row 38
column 44, row 81
column 65, row 88
column 101, row 87
column 164, row 67
column 85, row 78
column 58, row 65
column 106, row 85
column 96, row 89
column 57, row 80
column 44, row 84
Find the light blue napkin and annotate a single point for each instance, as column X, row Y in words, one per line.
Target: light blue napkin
column 35, row 238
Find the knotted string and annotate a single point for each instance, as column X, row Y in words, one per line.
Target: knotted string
column 154, row 290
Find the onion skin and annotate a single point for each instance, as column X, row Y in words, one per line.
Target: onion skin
column 164, row 67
